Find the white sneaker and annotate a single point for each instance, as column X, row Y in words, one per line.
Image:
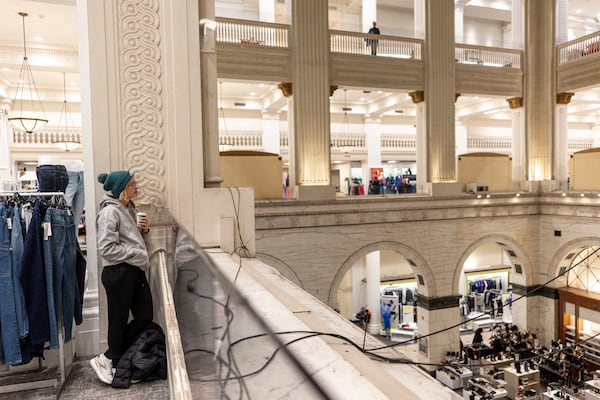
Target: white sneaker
column 103, row 368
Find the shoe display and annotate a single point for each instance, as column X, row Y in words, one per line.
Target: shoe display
column 103, row 368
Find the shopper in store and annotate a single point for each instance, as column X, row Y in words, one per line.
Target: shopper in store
column 386, row 314
column 125, row 260
column 373, row 43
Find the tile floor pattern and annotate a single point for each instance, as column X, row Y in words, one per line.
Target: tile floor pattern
column 83, row 383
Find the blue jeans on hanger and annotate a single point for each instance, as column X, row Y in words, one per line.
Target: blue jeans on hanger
column 33, row 281
column 10, row 351
column 74, row 196
column 52, row 178
column 16, row 243
column 60, row 249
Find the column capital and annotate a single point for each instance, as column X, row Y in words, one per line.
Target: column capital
column 564, row 97
column 515, row 102
column 417, row 96
column 286, row 88
column 276, row 115
column 332, row 88
column 372, row 120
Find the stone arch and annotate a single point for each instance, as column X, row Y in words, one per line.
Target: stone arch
column 283, row 268
column 563, row 257
column 516, row 252
column 419, row 266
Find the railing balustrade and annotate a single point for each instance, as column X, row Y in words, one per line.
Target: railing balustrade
column 387, row 46
column 585, row 46
column 46, row 136
column 252, row 33
column 487, row 56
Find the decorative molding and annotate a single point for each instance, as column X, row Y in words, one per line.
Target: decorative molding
column 418, row 96
column 456, row 96
column 332, row 88
column 437, row 303
column 286, row 88
column 564, row 97
column 515, row 102
column 535, row 290
column 141, row 93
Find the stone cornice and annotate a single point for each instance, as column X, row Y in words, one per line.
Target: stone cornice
column 287, row 214
column 437, row 303
column 536, row 290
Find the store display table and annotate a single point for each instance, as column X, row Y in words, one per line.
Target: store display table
column 453, row 376
column 525, row 379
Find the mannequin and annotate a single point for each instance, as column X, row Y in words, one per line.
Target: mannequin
column 74, row 193
column 51, row 174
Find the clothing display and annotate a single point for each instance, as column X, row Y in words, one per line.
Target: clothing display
column 74, row 196
column 52, row 178
column 41, row 276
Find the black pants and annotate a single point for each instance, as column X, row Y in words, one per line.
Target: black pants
column 126, row 289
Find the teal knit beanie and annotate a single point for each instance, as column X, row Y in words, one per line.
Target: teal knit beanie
column 114, row 181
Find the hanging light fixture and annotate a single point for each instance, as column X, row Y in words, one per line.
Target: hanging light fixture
column 28, row 123
column 346, row 143
column 68, row 136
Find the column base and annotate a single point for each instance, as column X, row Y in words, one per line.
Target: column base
column 444, row 188
column 309, row 193
column 374, row 328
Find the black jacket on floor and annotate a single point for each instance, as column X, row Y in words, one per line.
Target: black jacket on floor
column 145, row 359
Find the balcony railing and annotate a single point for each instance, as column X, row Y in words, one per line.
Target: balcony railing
column 487, row 56
column 252, row 33
column 584, row 46
column 48, row 136
column 387, row 46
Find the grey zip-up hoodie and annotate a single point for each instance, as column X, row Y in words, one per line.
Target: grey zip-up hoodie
column 119, row 239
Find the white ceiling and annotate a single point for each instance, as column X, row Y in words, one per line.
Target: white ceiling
column 55, row 21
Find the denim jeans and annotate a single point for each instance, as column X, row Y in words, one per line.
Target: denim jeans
column 60, row 249
column 52, row 178
column 16, row 244
column 74, row 196
column 33, row 280
column 10, row 351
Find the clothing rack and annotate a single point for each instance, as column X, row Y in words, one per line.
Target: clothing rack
column 43, row 383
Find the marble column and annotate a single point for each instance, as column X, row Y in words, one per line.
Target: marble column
column 271, row 133
column 311, row 97
column 369, row 14
column 421, row 125
column 5, row 162
column 373, row 141
column 436, row 315
column 461, row 139
column 132, row 119
column 517, row 22
column 419, row 18
column 357, row 292
column 561, row 139
column 517, row 143
column 459, row 16
column 562, row 21
column 440, row 97
column 266, row 10
column 210, row 116
column 287, row 91
column 539, row 88
column 373, row 291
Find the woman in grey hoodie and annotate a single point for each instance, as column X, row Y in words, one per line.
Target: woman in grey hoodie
column 122, row 248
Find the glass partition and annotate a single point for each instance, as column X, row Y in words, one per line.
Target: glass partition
column 229, row 350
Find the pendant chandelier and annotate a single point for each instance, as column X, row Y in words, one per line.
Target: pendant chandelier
column 346, row 142
column 68, row 136
column 27, row 94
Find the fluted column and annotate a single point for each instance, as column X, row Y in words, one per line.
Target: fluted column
column 440, row 95
column 210, row 117
column 561, row 150
column 539, row 88
column 419, row 19
column 421, row 125
column 271, row 134
column 517, row 143
column 311, row 136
